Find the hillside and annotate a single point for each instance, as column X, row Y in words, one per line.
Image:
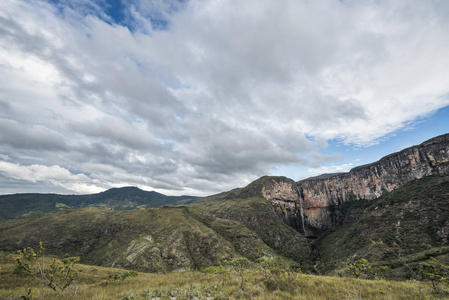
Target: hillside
column 412, row 223
column 22, row 205
column 162, row 239
column 393, row 212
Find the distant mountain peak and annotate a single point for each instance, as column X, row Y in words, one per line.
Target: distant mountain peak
column 126, row 188
column 120, row 198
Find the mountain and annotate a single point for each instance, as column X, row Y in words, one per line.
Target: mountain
column 163, row 239
column 393, row 212
column 22, row 205
column 321, row 197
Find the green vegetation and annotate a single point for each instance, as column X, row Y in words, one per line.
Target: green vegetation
column 162, row 239
column 94, row 283
column 362, row 269
column 437, row 273
column 58, row 275
column 23, row 205
column 399, row 230
column 253, row 228
column 155, row 240
column 234, row 246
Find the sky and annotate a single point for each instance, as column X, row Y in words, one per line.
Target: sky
column 195, row 97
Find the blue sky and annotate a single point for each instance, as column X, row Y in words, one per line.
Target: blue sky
column 197, row 97
column 414, row 134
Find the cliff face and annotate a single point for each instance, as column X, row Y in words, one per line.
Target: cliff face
column 321, row 197
column 284, row 196
column 315, row 202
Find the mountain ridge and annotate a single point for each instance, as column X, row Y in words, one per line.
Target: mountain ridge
column 434, row 140
column 320, row 223
column 124, row 198
column 164, row 239
column 321, row 197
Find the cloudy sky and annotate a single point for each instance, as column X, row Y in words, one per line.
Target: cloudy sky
column 201, row 96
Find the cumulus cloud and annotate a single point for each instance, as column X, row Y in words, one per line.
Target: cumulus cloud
column 53, row 174
column 202, row 96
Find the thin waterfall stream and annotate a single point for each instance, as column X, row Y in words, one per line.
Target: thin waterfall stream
column 301, row 211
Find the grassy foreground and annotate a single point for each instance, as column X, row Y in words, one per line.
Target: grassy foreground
column 108, row 283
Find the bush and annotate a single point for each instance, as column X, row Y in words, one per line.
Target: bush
column 362, row 269
column 278, row 274
column 435, row 272
column 58, row 276
column 122, row 276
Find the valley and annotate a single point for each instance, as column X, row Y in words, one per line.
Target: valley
column 394, row 214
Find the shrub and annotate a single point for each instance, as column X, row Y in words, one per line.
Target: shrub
column 435, row 272
column 362, row 269
column 278, row 275
column 122, row 276
column 57, row 276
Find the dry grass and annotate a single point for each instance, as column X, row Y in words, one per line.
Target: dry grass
column 94, row 283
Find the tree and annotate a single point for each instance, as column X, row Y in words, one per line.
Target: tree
column 436, row 272
column 362, row 269
column 58, row 276
column 239, row 265
column 278, row 274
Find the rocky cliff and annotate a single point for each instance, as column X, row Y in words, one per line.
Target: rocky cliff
column 284, row 196
column 312, row 205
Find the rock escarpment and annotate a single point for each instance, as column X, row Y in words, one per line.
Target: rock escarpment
column 284, row 196
column 312, row 205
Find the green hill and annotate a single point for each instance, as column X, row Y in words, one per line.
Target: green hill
column 22, row 205
column 409, row 225
column 412, row 224
column 162, row 239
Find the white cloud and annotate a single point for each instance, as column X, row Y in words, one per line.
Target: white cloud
column 54, row 175
column 199, row 92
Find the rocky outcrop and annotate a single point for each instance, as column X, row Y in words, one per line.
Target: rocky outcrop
column 312, row 205
column 283, row 194
column 322, row 197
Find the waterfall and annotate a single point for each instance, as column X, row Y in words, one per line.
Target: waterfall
column 301, row 210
